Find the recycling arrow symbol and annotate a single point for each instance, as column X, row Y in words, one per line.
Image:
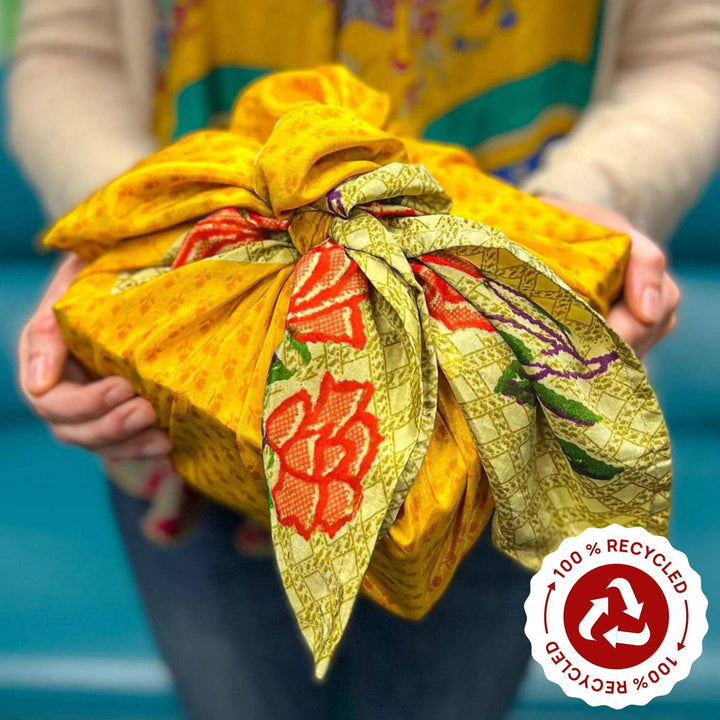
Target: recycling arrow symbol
column 615, row 636
column 620, row 637
column 632, row 607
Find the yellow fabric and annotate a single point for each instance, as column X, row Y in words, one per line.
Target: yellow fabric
column 181, row 182
column 431, row 59
column 198, row 340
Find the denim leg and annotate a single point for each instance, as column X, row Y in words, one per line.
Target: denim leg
column 223, row 624
column 465, row 659
column 226, row 631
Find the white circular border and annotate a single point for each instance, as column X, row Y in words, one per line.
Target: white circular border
column 540, row 593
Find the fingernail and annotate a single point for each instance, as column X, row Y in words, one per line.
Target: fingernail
column 137, row 420
column 38, row 369
column 117, row 394
column 651, row 304
column 159, row 446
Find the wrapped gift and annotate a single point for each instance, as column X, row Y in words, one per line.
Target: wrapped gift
column 364, row 342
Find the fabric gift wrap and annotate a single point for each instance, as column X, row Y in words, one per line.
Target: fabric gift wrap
column 339, row 354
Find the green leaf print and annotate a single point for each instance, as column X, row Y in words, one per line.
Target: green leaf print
column 587, row 465
column 564, row 407
column 513, row 383
column 521, row 351
column 300, row 348
column 278, row 371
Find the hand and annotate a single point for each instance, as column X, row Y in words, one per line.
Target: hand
column 104, row 416
column 646, row 312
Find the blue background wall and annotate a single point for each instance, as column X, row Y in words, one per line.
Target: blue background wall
column 73, row 642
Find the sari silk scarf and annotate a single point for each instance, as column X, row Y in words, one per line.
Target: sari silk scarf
column 337, row 355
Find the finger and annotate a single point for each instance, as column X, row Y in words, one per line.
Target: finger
column 119, row 424
column 670, row 325
column 72, row 403
column 650, row 339
column 138, row 477
column 43, row 354
column 655, row 333
column 146, row 444
column 174, row 510
column 671, row 293
column 644, row 278
column 639, row 336
column 624, row 323
column 75, row 372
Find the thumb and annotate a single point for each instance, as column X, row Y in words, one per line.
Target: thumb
column 644, row 281
column 45, row 353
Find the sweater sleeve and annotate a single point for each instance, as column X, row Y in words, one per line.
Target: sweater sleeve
column 73, row 121
column 648, row 145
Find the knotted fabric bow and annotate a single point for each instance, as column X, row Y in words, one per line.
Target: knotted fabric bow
column 307, row 321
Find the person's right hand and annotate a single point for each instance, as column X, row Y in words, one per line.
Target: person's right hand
column 104, row 416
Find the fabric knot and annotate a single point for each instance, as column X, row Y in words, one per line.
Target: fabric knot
column 311, row 141
column 393, row 191
column 308, row 228
column 314, row 148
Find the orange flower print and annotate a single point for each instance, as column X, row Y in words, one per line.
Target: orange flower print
column 444, row 302
column 446, row 259
column 324, row 451
column 325, row 304
column 222, row 230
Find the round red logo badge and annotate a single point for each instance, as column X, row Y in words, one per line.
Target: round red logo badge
column 616, row 616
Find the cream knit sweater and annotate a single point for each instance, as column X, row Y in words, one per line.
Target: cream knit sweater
column 80, row 95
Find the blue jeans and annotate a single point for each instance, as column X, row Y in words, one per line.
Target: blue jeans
column 226, row 631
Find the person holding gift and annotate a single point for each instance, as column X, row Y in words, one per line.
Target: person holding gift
column 643, row 316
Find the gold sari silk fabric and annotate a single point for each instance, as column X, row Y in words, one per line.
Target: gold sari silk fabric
column 339, row 353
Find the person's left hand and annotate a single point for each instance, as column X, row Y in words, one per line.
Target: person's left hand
column 646, row 311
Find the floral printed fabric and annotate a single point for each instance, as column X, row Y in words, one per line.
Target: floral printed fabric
column 336, row 355
column 324, row 450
